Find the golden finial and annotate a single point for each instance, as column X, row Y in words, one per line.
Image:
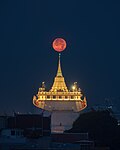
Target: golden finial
column 59, row 72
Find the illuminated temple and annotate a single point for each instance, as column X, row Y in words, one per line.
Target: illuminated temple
column 64, row 104
column 59, row 97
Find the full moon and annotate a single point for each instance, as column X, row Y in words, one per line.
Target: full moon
column 59, row 44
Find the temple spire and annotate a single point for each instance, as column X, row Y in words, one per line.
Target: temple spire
column 59, row 72
column 59, row 82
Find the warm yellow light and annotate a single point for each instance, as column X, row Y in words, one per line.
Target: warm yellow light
column 73, row 87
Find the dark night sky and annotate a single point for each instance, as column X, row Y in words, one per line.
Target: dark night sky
column 92, row 58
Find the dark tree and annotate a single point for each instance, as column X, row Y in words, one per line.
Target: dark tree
column 102, row 128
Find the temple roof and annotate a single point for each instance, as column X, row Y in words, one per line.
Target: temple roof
column 59, row 82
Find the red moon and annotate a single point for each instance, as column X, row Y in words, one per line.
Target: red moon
column 59, row 44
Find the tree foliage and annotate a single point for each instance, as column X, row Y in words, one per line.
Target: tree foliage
column 102, row 128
